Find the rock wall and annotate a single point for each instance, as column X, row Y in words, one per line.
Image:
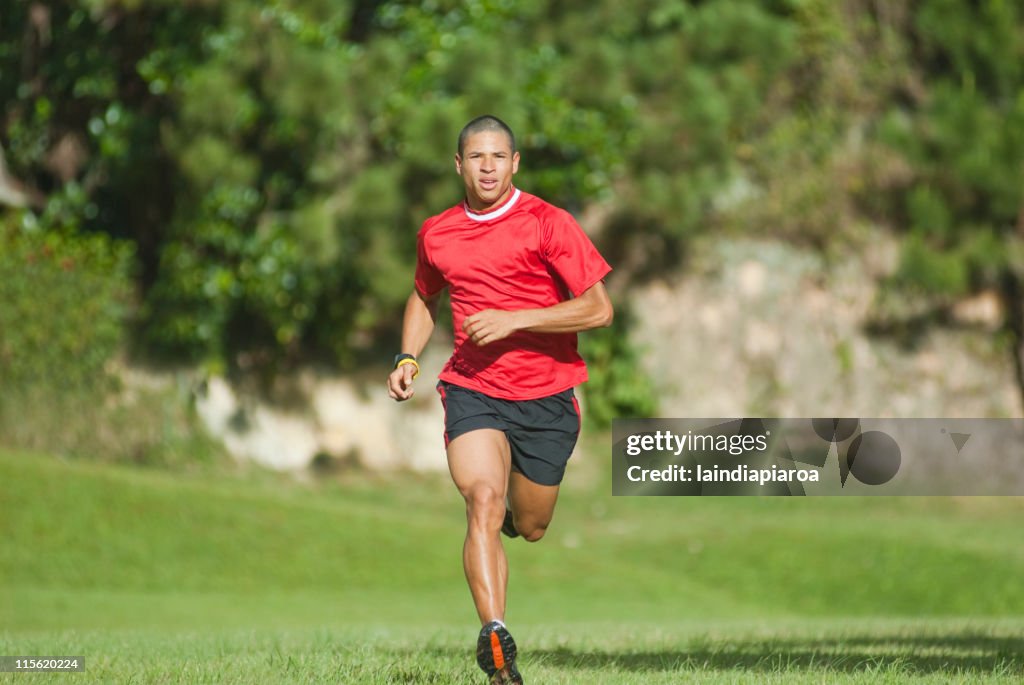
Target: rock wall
column 759, row 329
column 765, row 329
column 342, row 421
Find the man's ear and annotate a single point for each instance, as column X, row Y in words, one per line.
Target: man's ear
column 458, row 164
column 515, row 161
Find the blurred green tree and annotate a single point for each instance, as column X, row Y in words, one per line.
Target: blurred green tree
column 271, row 160
column 962, row 135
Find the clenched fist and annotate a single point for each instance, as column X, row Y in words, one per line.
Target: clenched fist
column 400, row 382
column 490, row 325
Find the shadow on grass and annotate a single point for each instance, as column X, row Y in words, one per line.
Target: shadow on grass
column 966, row 653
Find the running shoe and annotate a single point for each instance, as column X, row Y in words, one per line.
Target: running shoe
column 509, row 526
column 496, row 655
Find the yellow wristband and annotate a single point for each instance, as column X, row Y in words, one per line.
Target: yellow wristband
column 410, row 361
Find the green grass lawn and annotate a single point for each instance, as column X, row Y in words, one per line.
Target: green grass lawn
column 157, row 577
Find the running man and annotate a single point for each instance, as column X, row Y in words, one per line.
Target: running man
column 523, row 279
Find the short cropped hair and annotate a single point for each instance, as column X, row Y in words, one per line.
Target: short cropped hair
column 487, row 122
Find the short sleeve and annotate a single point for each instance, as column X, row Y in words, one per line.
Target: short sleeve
column 570, row 252
column 429, row 281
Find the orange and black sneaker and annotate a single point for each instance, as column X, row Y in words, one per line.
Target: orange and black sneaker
column 496, row 654
column 508, row 526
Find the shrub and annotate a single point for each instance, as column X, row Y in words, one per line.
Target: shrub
column 64, row 302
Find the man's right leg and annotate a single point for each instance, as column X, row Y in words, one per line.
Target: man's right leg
column 479, row 462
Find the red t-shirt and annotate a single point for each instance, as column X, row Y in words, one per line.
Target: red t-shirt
column 524, row 254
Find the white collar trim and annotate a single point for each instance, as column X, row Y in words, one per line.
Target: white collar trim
column 496, row 213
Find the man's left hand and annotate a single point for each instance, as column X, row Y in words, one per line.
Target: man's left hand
column 490, row 325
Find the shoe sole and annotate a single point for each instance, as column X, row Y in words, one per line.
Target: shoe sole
column 496, row 655
column 507, row 676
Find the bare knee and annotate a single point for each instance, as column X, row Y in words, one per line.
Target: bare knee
column 485, row 507
column 532, row 531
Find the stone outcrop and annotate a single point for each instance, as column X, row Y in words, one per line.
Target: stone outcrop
column 760, row 329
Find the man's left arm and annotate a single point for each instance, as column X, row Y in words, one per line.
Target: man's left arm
column 592, row 309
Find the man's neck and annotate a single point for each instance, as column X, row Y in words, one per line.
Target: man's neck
column 486, row 209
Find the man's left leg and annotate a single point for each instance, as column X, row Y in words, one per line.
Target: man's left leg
column 542, row 437
column 532, row 505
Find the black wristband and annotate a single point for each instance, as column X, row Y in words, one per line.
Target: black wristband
column 403, row 355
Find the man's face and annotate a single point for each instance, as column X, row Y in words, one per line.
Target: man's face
column 486, row 165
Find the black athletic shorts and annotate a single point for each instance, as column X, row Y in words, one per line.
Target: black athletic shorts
column 541, row 433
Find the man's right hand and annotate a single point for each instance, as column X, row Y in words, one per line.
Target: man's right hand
column 400, row 382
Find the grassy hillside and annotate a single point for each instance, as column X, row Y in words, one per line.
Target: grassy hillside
column 182, row 567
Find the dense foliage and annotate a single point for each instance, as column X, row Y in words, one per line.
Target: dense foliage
column 65, row 298
column 270, row 161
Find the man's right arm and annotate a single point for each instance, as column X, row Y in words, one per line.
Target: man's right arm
column 417, row 325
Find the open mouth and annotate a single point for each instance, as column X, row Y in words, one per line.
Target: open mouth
column 488, row 183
